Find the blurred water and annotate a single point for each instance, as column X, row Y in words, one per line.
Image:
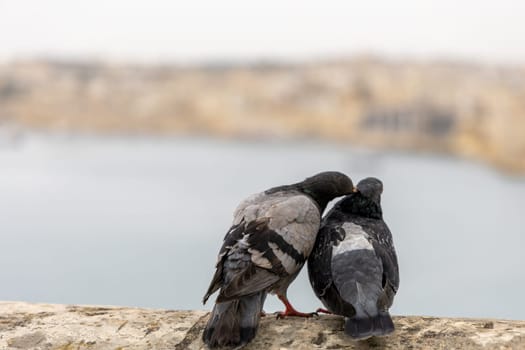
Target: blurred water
column 138, row 221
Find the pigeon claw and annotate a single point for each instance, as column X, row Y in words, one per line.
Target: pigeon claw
column 323, row 311
column 291, row 311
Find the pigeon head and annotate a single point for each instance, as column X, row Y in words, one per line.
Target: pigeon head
column 370, row 188
column 326, row 186
column 365, row 199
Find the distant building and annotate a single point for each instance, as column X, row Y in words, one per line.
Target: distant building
column 425, row 120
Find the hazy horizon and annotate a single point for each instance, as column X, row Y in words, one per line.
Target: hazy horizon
column 235, row 31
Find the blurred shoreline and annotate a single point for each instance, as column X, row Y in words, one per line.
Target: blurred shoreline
column 472, row 111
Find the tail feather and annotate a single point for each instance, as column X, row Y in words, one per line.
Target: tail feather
column 365, row 327
column 234, row 323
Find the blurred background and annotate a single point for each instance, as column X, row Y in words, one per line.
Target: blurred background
column 129, row 132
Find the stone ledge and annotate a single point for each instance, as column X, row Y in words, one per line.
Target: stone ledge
column 68, row 327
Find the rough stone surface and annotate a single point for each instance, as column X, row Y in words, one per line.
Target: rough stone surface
column 72, row 327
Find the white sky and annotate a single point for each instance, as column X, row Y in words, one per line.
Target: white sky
column 164, row 30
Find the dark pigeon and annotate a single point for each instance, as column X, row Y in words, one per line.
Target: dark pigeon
column 353, row 267
column 271, row 237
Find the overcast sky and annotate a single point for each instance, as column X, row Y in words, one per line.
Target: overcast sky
column 166, row 30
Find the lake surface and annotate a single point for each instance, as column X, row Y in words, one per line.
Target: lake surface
column 138, row 221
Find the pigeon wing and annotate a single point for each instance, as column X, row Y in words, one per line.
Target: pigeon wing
column 319, row 262
column 356, row 270
column 384, row 248
column 269, row 241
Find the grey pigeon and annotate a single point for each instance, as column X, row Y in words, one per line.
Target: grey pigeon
column 271, row 237
column 353, row 267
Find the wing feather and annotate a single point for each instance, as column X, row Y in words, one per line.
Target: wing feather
column 356, row 270
column 271, row 237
